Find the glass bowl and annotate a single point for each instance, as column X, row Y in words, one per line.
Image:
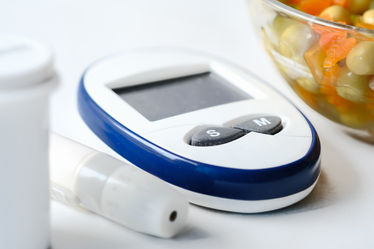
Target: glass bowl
column 329, row 65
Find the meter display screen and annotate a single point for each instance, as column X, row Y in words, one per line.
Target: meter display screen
column 167, row 98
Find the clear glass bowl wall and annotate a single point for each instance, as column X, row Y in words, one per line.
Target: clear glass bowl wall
column 329, row 65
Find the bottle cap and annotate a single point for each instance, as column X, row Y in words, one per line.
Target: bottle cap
column 23, row 62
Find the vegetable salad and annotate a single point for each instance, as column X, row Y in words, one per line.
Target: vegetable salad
column 330, row 68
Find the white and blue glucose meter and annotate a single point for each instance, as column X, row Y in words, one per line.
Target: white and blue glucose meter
column 213, row 130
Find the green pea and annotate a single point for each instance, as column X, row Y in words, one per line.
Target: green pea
column 280, row 23
column 360, row 60
column 356, row 120
column 295, row 41
column 355, row 19
column 337, row 13
column 368, row 17
column 352, row 87
column 358, row 6
column 308, row 84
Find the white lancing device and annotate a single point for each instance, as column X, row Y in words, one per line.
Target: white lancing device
column 84, row 177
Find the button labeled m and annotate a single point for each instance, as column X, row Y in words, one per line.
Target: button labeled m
column 261, row 121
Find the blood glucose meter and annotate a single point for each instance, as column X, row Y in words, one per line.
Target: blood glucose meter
column 210, row 128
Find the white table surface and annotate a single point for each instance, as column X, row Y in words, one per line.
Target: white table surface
column 338, row 214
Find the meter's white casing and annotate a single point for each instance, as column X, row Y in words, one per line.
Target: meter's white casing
column 242, row 175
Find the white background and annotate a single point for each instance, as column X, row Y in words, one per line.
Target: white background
column 339, row 212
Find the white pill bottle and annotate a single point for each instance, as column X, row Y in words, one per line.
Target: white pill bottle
column 26, row 80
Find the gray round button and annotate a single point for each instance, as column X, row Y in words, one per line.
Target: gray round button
column 261, row 124
column 215, row 135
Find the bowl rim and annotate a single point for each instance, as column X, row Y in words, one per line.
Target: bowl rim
column 275, row 4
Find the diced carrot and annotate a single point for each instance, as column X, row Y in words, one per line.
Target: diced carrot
column 329, row 33
column 327, row 39
column 338, row 51
column 314, row 7
column 335, row 43
column 315, row 57
column 333, row 46
column 330, row 75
